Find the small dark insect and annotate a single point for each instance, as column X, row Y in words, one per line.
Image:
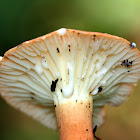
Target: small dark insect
column 94, row 130
column 126, row 63
column 61, row 90
column 53, row 85
column 69, row 47
column 100, row 89
column 94, row 37
column 132, row 45
column 58, row 50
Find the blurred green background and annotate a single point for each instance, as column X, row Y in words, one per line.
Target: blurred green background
column 22, row 20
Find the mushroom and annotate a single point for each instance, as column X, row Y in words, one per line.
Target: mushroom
column 64, row 79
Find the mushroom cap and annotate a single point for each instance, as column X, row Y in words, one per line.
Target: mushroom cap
column 65, row 64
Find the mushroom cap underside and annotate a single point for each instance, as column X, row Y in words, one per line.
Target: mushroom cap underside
column 37, row 74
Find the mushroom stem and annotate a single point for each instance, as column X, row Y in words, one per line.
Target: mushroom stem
column 74, row 120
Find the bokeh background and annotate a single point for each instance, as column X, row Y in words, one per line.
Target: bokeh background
column 22, row 20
